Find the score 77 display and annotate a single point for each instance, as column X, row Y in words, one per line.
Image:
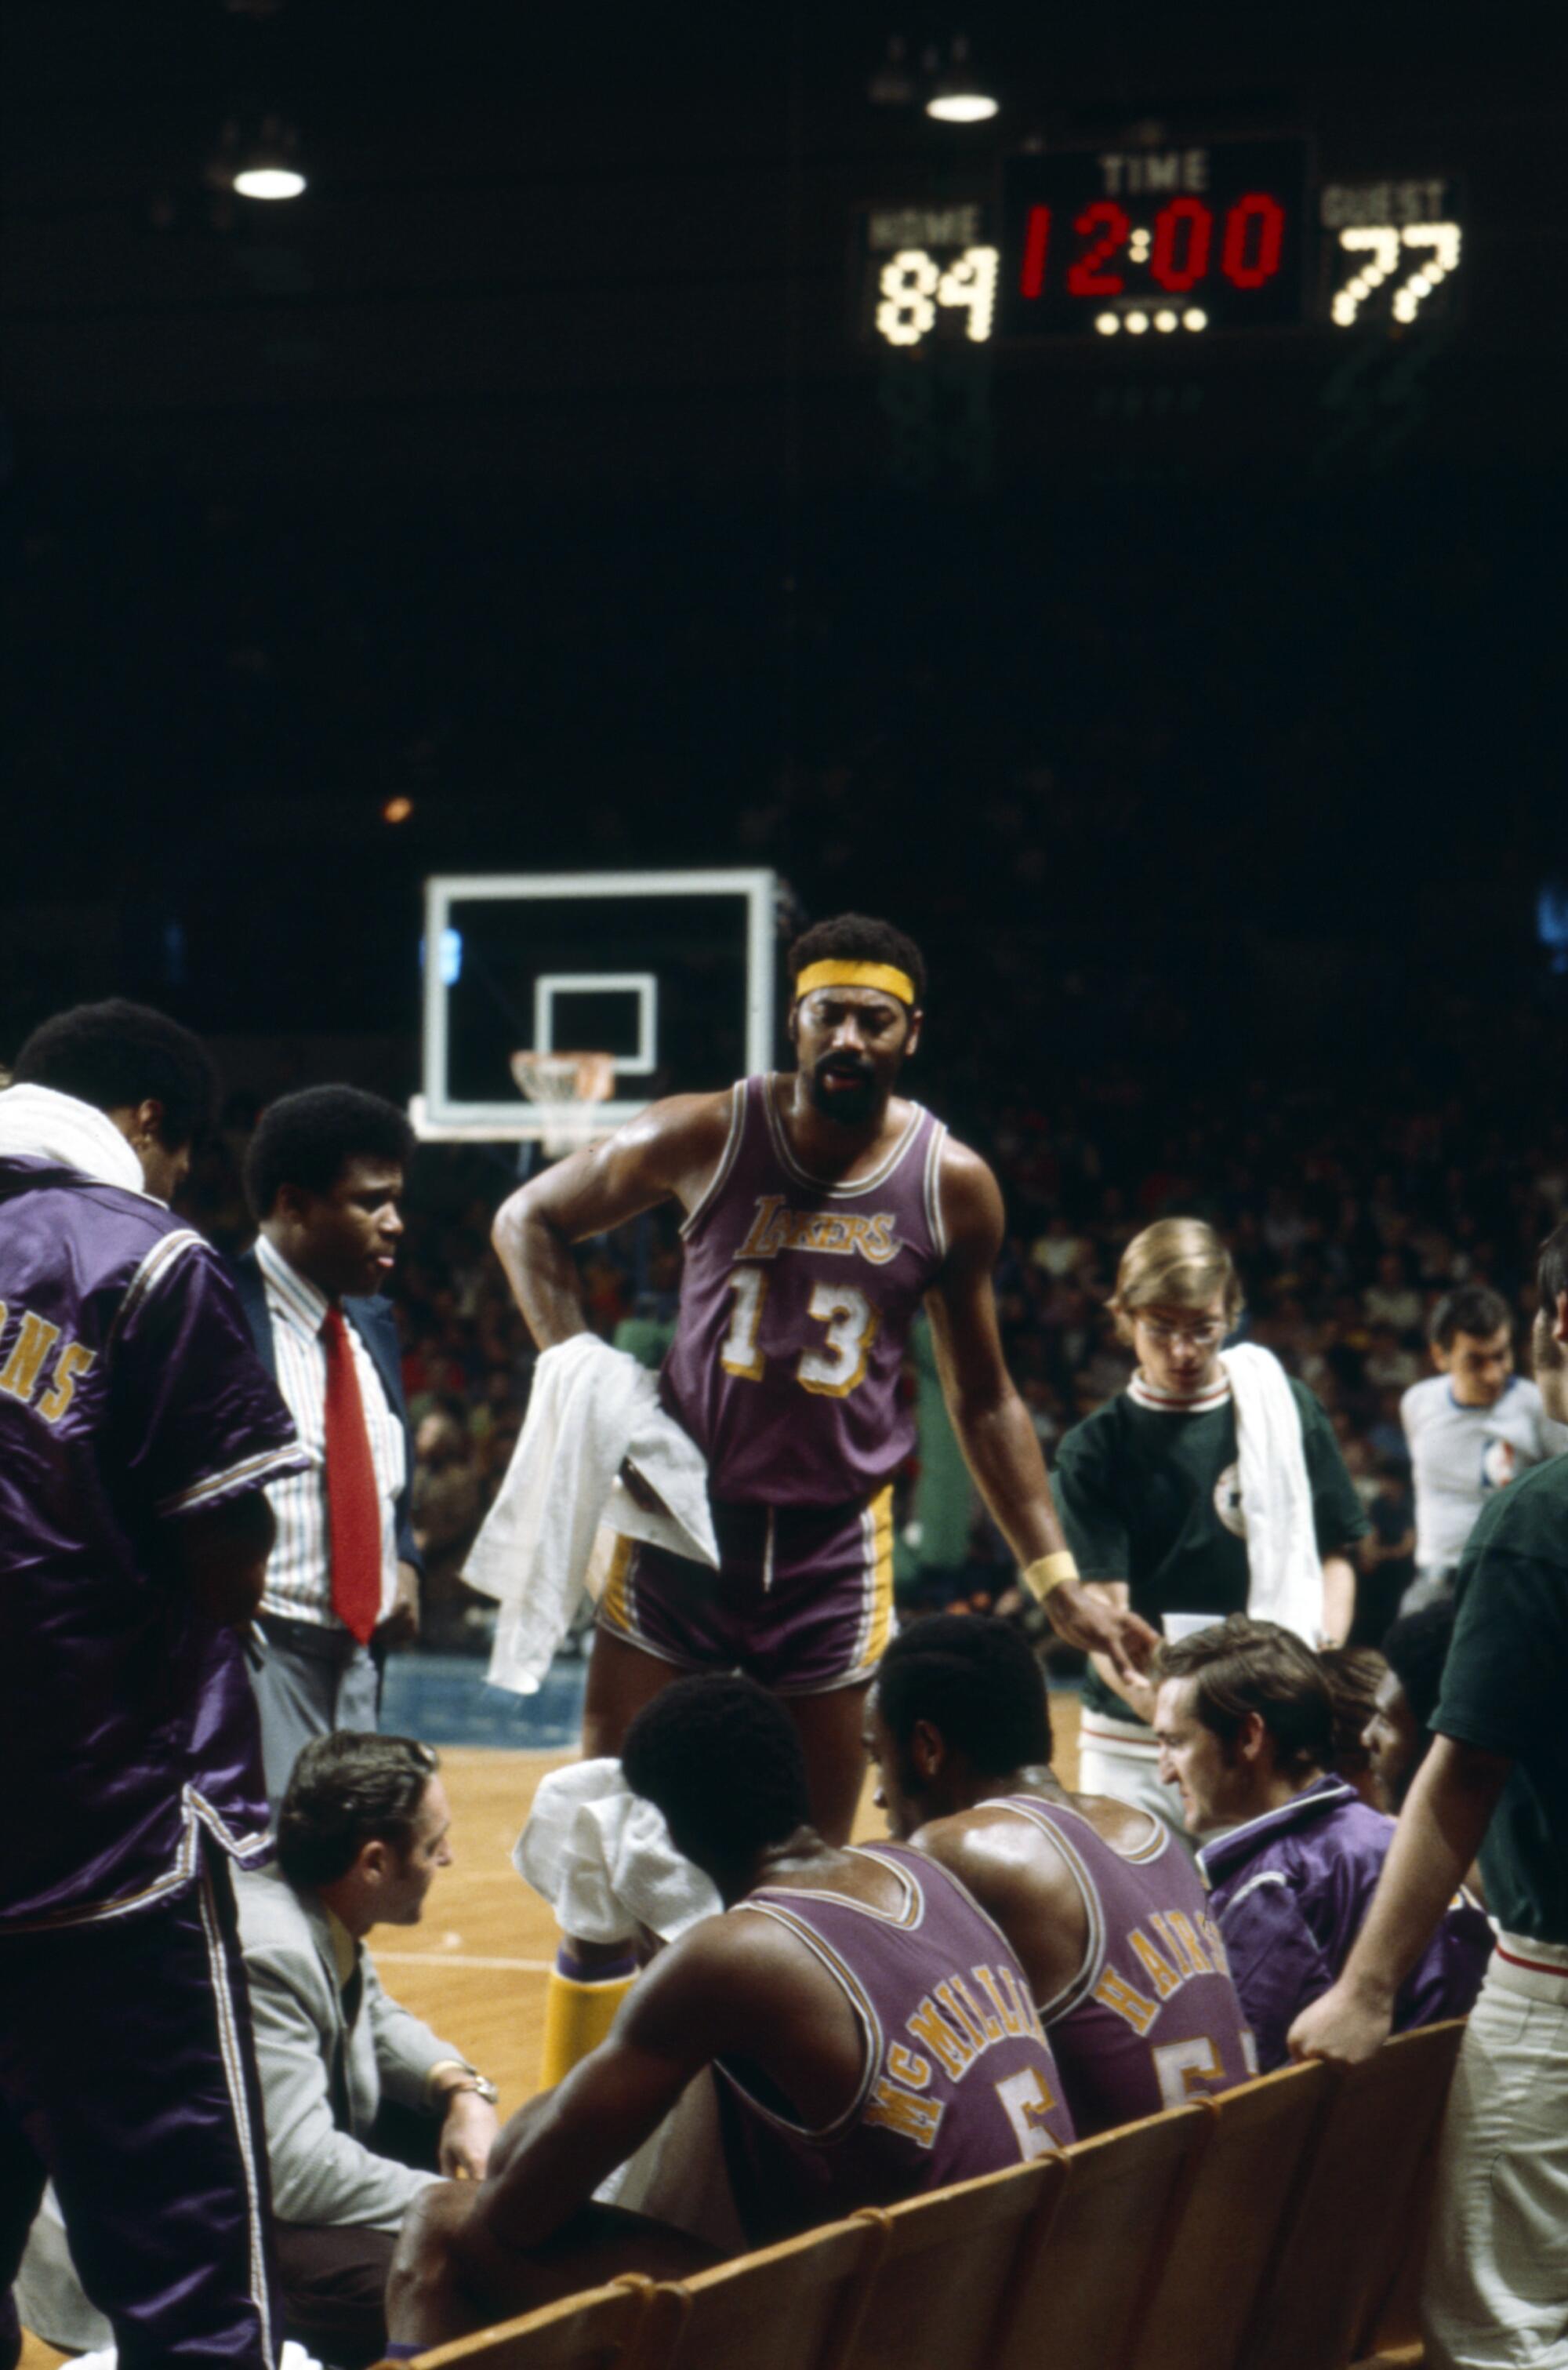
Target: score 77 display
column 1153, row 240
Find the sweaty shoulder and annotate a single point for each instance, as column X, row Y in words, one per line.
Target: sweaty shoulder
column 984, row 1846
column 678, row 1144
column 972, row 1212
column 697, row 1124
column 1128, row 1831
column 724, row 1977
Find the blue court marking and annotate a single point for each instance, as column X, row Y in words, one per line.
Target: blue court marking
column 445, row 1699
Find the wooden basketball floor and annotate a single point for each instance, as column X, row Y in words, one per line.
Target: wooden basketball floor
column 475, row 1969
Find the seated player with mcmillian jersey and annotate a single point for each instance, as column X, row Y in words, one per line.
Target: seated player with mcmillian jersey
column 1103, row 1907
column 871, row 2036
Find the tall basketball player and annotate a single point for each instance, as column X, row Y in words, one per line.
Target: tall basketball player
column 822, row 1209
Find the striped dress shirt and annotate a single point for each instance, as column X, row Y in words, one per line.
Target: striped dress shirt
column 299, row 1570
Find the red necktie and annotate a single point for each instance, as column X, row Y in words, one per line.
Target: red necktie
column 353, row 1501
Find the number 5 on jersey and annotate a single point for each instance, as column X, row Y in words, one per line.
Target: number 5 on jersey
column 1028, row 2103
column 834, row 1367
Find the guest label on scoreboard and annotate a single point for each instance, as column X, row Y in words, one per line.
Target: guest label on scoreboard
column 1391, row 250
column 1153, row 242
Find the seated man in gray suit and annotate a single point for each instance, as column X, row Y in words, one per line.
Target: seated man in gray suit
column 362, row 1833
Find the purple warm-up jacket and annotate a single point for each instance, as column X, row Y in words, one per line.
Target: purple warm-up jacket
column 1290, row 1890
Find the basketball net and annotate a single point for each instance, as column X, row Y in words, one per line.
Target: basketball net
column 566, row 1087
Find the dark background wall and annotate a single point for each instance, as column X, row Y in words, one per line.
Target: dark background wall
column 528, row 468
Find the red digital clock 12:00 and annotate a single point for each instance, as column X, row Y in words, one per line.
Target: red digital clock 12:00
column 1152, row 242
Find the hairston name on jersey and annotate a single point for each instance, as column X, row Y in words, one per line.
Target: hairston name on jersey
column 777, row 1229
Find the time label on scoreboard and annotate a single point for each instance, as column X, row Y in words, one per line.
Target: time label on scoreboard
column 1153, row 242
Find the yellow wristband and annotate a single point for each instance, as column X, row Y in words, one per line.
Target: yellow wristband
column 1050, row 1571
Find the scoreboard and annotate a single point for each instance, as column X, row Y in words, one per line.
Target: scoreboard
column 1144, row 244
column 1170, row 241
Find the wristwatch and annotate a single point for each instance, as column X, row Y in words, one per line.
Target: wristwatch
column 479, row 2083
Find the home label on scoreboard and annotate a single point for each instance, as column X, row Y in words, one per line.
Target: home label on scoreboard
column 1153, row 242
column 929, row 275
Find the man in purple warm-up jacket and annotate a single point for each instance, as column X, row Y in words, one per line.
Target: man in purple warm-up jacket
column 1246, row 1725
column 137, row 1430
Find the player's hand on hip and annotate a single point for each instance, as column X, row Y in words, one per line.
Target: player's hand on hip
column 1084, row 1617
column 468, row 2133
column 1346, row 2026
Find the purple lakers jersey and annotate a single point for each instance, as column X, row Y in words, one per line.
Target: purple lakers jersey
column 796, row 1305
column 1151, row 2019
column 958, row 2079
column 131, row 1398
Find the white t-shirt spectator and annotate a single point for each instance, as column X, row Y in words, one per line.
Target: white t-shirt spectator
column 1460, row 1454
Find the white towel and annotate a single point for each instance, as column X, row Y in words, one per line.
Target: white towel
column 37, row 1123
column 1287, row 1575
column 591, row 1409
column 603, row 1858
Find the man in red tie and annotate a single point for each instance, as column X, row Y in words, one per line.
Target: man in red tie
column 325, row 1176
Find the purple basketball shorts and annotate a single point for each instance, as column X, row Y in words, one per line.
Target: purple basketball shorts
column 127, row 2070
column 802, row 1600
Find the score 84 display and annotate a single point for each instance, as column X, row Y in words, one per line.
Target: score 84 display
column 1154, row 241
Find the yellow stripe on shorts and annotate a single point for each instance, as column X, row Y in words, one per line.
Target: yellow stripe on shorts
column 879, row 1626
column 615, row 1606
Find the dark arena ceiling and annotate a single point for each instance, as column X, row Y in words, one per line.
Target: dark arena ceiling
column 561, row 248
column 541, row 469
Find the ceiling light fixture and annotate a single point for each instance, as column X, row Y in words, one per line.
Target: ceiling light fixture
column 960, row 95
column 263, row 164
column 269, row 181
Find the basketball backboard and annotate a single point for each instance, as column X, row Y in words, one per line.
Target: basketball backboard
column 671, row 973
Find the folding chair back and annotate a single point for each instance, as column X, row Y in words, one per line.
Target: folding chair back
column 794, row 2306
column 938, row 2290
column 1077, row 2283
column 1217, row 2248
column 1352, row 2220
column 597, row 2330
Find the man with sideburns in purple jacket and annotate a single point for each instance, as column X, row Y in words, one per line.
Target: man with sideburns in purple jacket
column 1245, row 1726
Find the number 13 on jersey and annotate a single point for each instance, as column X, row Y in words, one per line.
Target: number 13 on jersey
column 831, row 1367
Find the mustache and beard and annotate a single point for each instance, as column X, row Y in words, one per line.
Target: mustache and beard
column 845, row 1089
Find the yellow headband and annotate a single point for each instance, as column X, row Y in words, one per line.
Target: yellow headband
column 857, row 974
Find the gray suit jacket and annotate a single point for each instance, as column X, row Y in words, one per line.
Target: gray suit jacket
column 325, row 2175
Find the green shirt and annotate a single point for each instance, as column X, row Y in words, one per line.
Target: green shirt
column 1506, row 1691
column 647, row 1338
column 944, row 1495
column 1154, row 1498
